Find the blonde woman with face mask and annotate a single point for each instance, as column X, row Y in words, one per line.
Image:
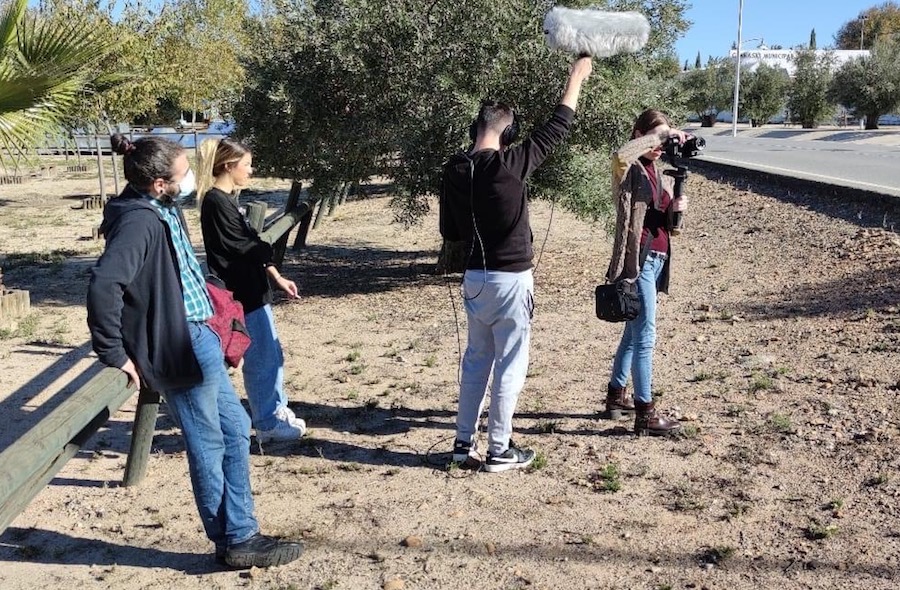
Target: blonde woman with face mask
column 236, row 254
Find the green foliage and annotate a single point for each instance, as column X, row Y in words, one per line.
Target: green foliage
column 205, row 45
column 609, row 479
column 869, row 86
column 44, row 68
column 881, row 21
column 342, row 90
column 808, row 99
column 710, row 89
column 763, row 93
column 812, row 39
column 180, row 55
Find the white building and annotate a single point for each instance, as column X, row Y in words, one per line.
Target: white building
column 784, row 58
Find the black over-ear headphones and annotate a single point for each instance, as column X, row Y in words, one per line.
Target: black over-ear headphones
column 509, row 135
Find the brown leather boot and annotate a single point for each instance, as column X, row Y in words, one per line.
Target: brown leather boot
column 618, row 402
column 648, row 421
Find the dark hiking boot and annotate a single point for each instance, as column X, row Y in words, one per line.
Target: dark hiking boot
column 647, row 421
column 262, row 551
column 618, row 403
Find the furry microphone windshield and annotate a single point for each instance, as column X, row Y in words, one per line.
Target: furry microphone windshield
column 596, row 33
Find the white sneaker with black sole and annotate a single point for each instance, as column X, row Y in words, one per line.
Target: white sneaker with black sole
column 511, row 458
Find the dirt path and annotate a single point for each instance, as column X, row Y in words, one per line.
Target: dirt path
column 778, row 347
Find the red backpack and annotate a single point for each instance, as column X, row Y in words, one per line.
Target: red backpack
column 228, row 321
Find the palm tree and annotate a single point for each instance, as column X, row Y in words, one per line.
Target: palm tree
column 44, row 72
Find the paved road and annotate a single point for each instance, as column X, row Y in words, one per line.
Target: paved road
column 868, row 167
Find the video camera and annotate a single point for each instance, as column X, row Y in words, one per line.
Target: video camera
column 690, row 148
column 675, row 150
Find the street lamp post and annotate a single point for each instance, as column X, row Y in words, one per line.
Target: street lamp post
column 737, row 71
column 862, row 29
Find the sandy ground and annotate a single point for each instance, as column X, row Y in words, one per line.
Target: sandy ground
column 778, row 348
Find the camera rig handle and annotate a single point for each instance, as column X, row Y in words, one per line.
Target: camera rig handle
column 679, row 174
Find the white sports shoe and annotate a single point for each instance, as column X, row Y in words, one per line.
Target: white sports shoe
column 285, row 429
column 293, row 419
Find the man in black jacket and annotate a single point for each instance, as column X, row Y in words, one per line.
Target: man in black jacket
column 147, row 312
column 485, row 204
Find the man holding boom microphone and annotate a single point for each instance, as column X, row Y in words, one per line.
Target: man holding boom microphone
column 484, row 202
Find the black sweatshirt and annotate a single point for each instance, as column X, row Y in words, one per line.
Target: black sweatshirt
column 494, row 183
column 135, row 303
column 234, row 251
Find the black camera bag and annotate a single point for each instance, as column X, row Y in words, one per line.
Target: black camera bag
column 617, row 302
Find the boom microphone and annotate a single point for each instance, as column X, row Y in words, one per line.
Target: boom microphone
column 595, row 33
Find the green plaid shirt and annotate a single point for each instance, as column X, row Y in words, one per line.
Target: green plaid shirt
column 197, row 305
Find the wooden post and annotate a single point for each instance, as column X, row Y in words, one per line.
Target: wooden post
column 112, row 156
column 141, row 437
column 280, row 244
column 100, row 168
column 354, row 187
column 14, row 304
column 338, row 198
column 323, row 204
column 305, row 224
column 256, row 215
column 196, row 147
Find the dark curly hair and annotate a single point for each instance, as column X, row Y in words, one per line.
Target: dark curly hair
column 147, row 158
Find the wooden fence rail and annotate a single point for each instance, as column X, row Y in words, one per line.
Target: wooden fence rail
column 31, row 462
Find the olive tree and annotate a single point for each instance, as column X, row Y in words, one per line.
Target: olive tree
column 808, row 98
column 869, row 86
column 338, row 91
column 763, row 93
column 709, row 90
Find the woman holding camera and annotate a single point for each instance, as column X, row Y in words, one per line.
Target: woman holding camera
column 645, row 211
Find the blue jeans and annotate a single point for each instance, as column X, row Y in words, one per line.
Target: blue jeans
column 635, row 352
column 499, row 306
column 216, row 432
column 264, row 369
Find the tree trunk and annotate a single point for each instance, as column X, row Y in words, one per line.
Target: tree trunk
column 707, row 120
column 452, row 258
column 872, row 121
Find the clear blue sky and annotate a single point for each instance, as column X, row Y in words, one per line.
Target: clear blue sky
column 779, row 22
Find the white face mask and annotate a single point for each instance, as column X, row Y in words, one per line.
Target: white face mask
column 187, row 185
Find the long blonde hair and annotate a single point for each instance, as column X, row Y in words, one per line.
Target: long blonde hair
column 215, row 156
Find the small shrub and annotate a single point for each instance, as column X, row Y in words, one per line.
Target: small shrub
column 761, row 383
column 702, row 376
column 780, row 423
column 877, row 480
column 817, row 531
column 689, row 431
column 540, row 461
column 608, row 479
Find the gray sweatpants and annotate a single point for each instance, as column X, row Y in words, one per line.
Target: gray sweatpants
column 499, row 306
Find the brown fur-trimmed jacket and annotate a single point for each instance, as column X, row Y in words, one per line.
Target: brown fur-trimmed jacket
column 633, row 194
